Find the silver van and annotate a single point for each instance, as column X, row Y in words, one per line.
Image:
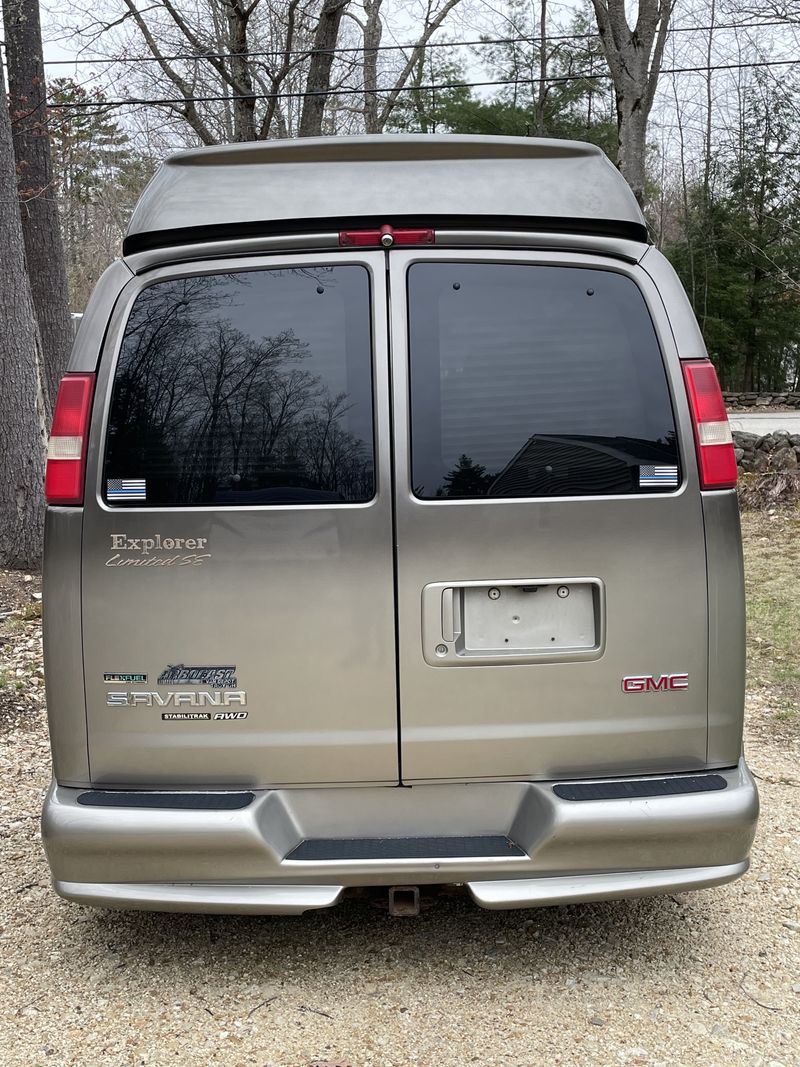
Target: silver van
column 392, row 540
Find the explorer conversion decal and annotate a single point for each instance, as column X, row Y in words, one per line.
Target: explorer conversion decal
column 157, row 551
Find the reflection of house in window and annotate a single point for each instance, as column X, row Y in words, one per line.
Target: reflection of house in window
column 547, row 465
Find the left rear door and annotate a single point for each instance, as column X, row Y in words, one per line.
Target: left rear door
column 237, row 585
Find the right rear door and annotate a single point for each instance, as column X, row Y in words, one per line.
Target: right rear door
column 549, row 529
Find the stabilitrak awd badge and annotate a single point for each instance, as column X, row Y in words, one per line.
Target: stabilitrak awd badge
column 217, row 677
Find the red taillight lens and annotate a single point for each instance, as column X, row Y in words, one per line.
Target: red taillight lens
column 385, row 236
column 66, row 450
column 712, row 433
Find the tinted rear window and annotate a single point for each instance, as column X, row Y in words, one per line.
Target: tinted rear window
column 245, row 388
column 530, row 380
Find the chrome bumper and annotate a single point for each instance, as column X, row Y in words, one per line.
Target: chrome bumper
column 239, row 860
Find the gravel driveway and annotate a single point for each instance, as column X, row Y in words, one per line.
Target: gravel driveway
column 706, row 978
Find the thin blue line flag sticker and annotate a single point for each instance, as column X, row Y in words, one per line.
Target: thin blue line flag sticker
column 660, row 476
column 126, row 489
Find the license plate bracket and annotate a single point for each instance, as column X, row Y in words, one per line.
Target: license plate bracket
column 529, row 618
column 512, row 621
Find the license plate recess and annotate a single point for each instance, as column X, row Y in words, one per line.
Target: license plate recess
column 473, row 623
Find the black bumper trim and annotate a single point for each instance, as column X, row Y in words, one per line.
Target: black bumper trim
column 644, row 787
column 118, row 798
column 405, row 848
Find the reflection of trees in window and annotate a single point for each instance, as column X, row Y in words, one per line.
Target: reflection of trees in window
column 467, row 478
column 207, row 411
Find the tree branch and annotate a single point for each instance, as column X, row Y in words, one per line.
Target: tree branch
column 430, row 28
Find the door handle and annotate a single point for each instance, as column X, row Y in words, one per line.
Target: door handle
column 448, row 633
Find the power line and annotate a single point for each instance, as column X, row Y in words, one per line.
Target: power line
column 432, row 87
column 340, row 50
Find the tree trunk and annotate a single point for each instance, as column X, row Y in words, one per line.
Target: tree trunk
column 542, row 96
column 634, row 59
column 319, row 73
column 632, row 134
column 44, row 250
column 21, row 415
column 373, row 30
column 244, row 107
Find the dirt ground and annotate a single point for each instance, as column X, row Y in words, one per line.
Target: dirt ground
column 705, row 978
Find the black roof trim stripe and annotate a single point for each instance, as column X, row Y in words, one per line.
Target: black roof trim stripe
column 149, row 240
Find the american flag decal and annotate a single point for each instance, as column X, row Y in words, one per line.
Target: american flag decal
column 126, row 489
column 664, row 476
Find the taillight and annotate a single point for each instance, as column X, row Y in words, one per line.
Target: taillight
column 712, row 432
column 386, row 236
column 66, row 449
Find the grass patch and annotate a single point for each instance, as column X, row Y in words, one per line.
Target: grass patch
column 21, row 619
column 772, row 581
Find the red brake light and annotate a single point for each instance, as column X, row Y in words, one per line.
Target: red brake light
column 386, row 236
column 712, row 433
column 414, row 237
column 66, row 449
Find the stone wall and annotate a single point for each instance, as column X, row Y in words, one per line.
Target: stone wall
column 762, row 400
column 760, row 453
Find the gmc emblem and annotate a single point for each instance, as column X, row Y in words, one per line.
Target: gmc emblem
column 646, row 683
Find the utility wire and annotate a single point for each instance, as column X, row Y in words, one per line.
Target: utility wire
column 432, row 87
column 483, row 42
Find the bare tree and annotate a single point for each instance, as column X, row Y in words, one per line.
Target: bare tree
column 542, row 94
column 372, row 29
column 44, row 252
column 634, row 58
column 21, row 418
column 229, row 68
column 432, row 21
column 244, row 70
column 318, row 82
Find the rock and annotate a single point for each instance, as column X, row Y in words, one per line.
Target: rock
column 784, row 459
column 760, row 462
column 790, row 924
column 739, row 453
column 746, row 440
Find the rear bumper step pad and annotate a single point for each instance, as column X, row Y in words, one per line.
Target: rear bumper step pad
column 645, row 787
column 404, row 848
column 184, row 801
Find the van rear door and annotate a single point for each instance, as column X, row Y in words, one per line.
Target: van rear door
column 550, row 561
column 237, row 544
